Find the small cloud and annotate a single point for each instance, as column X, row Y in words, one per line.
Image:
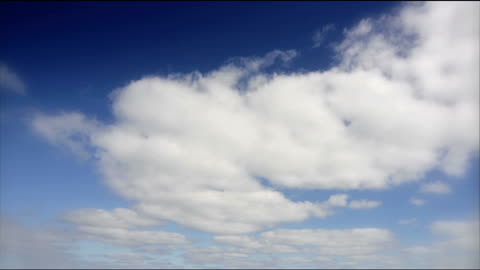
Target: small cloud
column 407, row 221
column 338, row 200
column 417, row 202
column 363, row 204
column 435, row 187
column 319, row 35
column 9, row 81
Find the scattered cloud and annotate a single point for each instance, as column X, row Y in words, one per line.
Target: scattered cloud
column 319, row 36
column 10, row 81
column 435, row 187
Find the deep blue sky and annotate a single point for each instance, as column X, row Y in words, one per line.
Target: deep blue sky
column 79, row 51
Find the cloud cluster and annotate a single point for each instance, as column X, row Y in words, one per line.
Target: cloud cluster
column 191, row 148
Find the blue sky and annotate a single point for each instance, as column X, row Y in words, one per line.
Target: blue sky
column 239, row 134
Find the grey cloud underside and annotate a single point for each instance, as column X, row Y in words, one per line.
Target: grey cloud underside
column 190, row 148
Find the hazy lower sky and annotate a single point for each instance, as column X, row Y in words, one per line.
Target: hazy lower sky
column 239, row 135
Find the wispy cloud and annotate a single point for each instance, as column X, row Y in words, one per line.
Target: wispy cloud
column 417, row 202
column 320, row 35
column 435, row 187
column 10, row 81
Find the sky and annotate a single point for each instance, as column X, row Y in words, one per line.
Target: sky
column 239, row 134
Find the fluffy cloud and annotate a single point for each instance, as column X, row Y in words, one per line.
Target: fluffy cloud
column 190, row 148
column 9, row 81
column 435, row 187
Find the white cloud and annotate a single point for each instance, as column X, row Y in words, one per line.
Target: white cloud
column 435, row 187
column 338, row 200
column 319, row 36
column 417, row 202
column 9, row 81
column 189, row 148
column 407, row 221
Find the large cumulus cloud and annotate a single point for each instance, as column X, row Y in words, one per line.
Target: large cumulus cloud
column 402, row 100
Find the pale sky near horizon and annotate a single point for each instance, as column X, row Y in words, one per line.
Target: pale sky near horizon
column 239, row 135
